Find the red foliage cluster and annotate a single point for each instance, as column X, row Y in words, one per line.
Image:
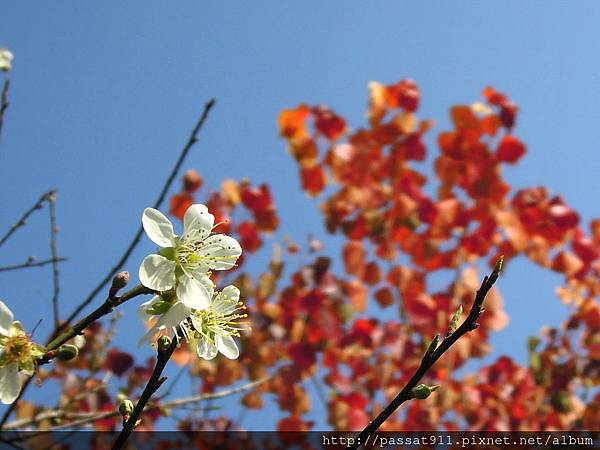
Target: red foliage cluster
column 399, row 228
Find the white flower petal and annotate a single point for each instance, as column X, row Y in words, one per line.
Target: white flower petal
column 206, row 349
column 194, row 293
column 227, row 346
column 158, row 227
column 142, row 314
column 6, row 319
column 174, row 316
column 149, row 334
column 169, row 320
column 10, row 383
column 157, row 272
column 197, row 223
column 226, row 300
column 220, row 252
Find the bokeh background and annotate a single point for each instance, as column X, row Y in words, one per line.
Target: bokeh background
column 103, row 95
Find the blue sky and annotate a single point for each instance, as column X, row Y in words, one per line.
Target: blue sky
column 104, row 94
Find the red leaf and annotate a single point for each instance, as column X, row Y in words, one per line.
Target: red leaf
column 118, row 362
column 302, row 354
column 328, row 123
column 192, row 181
column 249, row 237
column 510, row 149
column 404, row 94
column 313, row 180
column 180, row 203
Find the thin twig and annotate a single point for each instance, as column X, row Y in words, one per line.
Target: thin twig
column 55, row 274
column 430, row 358
column 104, row 309
column 155, row 381
column 31, row 262
column 53, row 338
column 190, row 143
column 85, row 418
column 23, row 220
column 4, row 102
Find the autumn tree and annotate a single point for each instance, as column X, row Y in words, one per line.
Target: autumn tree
column 361, row 332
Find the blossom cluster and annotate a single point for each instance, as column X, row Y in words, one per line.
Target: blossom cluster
column 180, row 274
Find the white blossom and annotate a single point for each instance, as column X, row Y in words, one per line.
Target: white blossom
column 6, row 58
column 17, row 354
column 213, row 328
column 184, row 262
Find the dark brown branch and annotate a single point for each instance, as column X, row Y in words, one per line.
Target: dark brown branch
column 55, row 274
column 190, row 143
column 104, row 309
column 430, row 358
column 4, row 102
column 31, row 262
column 155, row 381
column 23, row 220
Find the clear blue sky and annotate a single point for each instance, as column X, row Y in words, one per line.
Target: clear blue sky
column 103, row 96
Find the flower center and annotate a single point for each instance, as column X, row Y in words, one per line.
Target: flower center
column 209, row 322
column 16, row 348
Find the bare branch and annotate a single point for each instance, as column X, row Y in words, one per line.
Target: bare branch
column 431, row 357
column 23, row 220
column 104, row 309
column 80, row 419
column 31, row 262
column 55, row 274
column 155, row 381
column 4, row 102
column 190, row 143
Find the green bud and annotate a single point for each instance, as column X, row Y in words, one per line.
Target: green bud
column 498, row 265
column 455, row 319
column 126, row 407
column 67, row 352
column 422, row 391
column 432, row 346
column 163, row 343
column 532, row 343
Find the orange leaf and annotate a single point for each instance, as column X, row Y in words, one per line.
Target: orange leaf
column 567, row 263
column 464, row 118
column 291, row 122
column 357, row 293
column 354, row 258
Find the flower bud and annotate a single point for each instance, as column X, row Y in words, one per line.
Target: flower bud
column 120, row 280
column 67, row 352
column 422, row 391
column 126, row 407
column 163, row 343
